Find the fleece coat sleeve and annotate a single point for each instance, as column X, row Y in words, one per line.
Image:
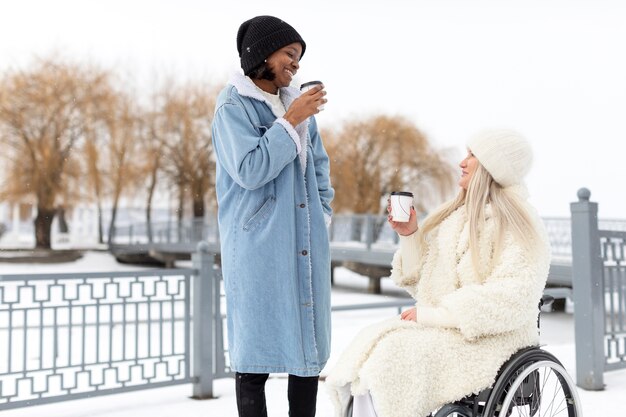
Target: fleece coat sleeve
column 406, row 263
column 435, row 317
column 507, row 299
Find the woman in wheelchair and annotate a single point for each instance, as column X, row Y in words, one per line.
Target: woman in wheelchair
column 477, row 268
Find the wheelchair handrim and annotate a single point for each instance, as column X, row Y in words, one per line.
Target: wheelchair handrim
column 523, row 358
column 567, row 385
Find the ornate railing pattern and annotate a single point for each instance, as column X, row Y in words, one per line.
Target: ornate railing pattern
column 612, row 246
column 66, row 336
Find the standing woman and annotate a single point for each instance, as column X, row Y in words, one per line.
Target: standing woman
column 274, row 193
column 477, row 267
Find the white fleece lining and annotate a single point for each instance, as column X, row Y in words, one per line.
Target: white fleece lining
column 292, row 132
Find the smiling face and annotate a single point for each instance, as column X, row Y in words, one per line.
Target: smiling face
column 284, row 64
column 468, row 168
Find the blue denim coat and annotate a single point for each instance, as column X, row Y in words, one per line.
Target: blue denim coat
column 274, row 240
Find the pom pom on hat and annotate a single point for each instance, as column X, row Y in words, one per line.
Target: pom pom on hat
column 259, row 37
column 505, row 154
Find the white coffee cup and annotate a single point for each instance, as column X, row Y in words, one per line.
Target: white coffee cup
column 401, row 203
column 307, row 86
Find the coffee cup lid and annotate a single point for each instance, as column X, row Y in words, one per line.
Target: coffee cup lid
column 310, row 83
column 406, row 193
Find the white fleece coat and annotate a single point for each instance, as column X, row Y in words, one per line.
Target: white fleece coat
column 411, row 369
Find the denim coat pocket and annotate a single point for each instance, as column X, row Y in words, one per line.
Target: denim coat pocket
column 260, row 214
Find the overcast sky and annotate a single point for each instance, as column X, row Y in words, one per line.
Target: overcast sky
column 553, row 69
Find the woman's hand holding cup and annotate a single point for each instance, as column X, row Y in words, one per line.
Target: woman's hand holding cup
column 403, row 228
column 310, row 102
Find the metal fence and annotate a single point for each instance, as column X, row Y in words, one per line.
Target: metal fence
column 75, row 335
column 364, row 241
column 70, row 336
column 559, row 231
column 367, row 230
column 599, row 281
column 184, row 231
column 614, row 279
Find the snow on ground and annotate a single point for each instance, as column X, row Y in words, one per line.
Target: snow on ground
column 557, row 335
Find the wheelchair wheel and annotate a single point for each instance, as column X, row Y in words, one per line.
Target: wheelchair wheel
column 534, row 384
column 453, row 410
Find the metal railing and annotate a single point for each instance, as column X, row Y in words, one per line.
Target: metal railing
column 179, row 232
column 559, row 231
column 362, row 239
column 612, row 245
column 71, row 336
column 599, row 281
column 368, row 231
column 588, row 256
column 66, row 336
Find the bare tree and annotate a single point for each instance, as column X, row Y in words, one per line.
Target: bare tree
column 370, row 158
column 152, row 148
column 42, row 120
column 186, row 130
column 125, row 133
column 95, row 178
column 94, row 155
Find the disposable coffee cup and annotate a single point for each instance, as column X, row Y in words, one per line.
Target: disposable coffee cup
column 307, row 86
column 401, row 202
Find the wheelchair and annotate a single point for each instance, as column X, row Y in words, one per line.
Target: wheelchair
column 531, row 383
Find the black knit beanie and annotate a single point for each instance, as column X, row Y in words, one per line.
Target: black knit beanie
column 261, row 36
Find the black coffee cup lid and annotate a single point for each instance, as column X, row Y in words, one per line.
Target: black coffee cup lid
column 310, row 83
column 406, row 193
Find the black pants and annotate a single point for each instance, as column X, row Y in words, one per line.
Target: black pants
column 250, row 390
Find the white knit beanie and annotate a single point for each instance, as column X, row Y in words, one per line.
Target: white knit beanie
column 505, row 154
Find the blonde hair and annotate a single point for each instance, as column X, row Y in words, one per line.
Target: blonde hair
column 508, row 211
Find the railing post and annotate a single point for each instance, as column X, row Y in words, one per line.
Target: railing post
column 369, row 230
column 111, row 235
column 588, row 289
column 197, row 225
column 149, row 231
column 355, row 228
column 203, row 322
column 219, row 352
